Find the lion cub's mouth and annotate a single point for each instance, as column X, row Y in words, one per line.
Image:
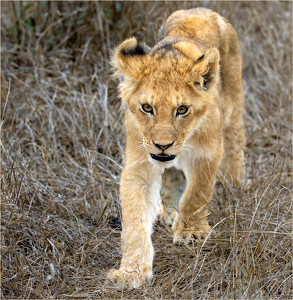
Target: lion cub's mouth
column 163, row 157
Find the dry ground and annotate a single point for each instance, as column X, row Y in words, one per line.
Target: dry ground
column 62, row 154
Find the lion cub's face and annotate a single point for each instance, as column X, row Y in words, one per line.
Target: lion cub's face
column 167, row 112
column 168, row 94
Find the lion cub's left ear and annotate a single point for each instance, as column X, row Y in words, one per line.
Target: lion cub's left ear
column 204, row 70
column 207, row 68
column 130, row 59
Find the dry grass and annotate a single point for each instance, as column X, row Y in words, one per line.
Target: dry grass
column 62, row 154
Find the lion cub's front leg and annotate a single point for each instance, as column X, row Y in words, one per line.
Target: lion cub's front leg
column 193, row 207
column 140, row 187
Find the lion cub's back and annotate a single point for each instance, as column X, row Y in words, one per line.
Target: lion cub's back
column 204, row 24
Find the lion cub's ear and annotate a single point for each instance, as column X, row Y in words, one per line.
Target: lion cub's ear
column 205, row 67
column 130, row 58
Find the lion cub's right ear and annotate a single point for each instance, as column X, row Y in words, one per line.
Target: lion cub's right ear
column 129, row 59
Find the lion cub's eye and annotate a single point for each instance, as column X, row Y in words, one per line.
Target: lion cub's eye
column 147, row 108
column 182, row 110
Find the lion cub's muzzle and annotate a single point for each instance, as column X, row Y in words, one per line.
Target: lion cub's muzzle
column 163, row 156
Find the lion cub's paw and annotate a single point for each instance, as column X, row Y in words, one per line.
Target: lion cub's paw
column 164, row 217
column 185, row 235
column 130, row 279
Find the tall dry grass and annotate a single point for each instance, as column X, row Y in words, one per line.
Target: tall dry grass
column 62, row 141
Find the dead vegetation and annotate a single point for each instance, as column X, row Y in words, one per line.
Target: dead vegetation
column 62, row 141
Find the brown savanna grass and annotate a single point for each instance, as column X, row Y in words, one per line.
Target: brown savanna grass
column 62, row 141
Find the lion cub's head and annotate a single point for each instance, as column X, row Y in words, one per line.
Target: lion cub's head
column 171, row 91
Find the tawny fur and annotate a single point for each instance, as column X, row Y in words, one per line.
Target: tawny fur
column 197, row 64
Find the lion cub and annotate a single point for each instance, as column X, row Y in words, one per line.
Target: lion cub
column 184, row 101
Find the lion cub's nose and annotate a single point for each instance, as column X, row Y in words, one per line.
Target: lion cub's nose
column 161, row 146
